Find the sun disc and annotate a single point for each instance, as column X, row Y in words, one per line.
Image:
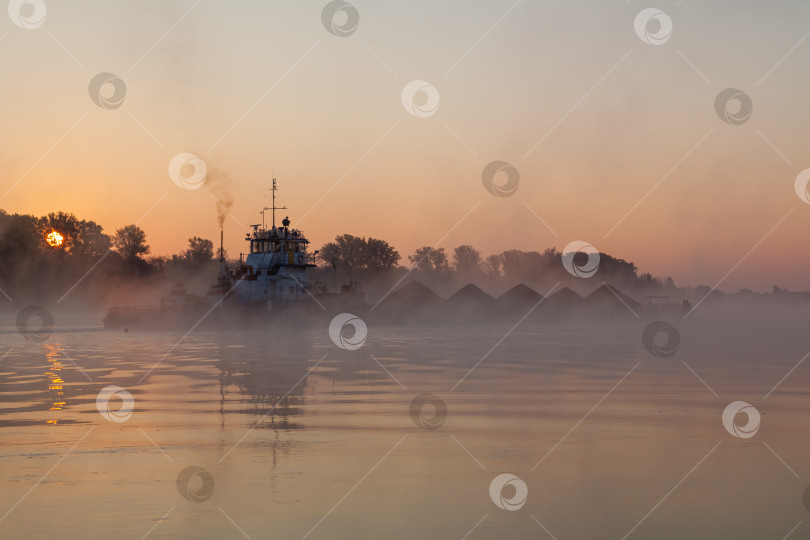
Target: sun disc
column 54, row 239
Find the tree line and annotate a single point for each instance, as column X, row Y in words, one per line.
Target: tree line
column 372, row 259
column 40, row 267
column 32, row 267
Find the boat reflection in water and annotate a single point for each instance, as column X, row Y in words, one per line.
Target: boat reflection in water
column 254, row 385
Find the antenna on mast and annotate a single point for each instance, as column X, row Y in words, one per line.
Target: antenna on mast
column 274, row 207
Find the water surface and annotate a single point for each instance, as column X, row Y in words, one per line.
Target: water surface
column 299, row 438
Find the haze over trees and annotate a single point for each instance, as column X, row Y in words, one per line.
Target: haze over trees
column 466, row 258
column 431, row 262
column 348, row 257
column 85, row 264
column 89, row 264
column 360, row 254
column 199, row 251
column 130, row 243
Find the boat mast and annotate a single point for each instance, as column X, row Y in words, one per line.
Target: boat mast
column 274, row 207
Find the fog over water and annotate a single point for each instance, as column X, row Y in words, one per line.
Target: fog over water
column 346, row 270
column 295, row 436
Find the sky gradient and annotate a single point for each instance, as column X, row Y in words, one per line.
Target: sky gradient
column 616, row 141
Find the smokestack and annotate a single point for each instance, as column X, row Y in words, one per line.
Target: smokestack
column 223, row 272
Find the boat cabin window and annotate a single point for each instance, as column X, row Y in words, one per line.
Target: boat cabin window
column 264, row 246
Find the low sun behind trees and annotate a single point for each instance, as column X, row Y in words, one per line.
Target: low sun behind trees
column 96, row 264
column 82, row 238
column 88, row 262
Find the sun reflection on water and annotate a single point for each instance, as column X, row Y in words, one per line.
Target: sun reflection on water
column 56, row 393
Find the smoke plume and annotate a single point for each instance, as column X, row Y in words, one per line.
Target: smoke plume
column 219, row 185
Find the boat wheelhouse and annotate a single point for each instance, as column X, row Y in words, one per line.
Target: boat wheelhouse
column 269, row 279
column 273, row 273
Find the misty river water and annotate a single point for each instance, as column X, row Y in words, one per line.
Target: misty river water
column 254, row 435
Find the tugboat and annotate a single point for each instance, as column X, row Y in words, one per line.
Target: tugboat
column 270, row 280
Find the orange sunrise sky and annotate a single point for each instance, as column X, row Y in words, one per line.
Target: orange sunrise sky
column 618, row 142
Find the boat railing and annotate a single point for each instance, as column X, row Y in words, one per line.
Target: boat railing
column 319, row 287
column 351, row 287
column 133, row 309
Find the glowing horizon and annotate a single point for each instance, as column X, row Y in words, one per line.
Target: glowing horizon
column 617, row 142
